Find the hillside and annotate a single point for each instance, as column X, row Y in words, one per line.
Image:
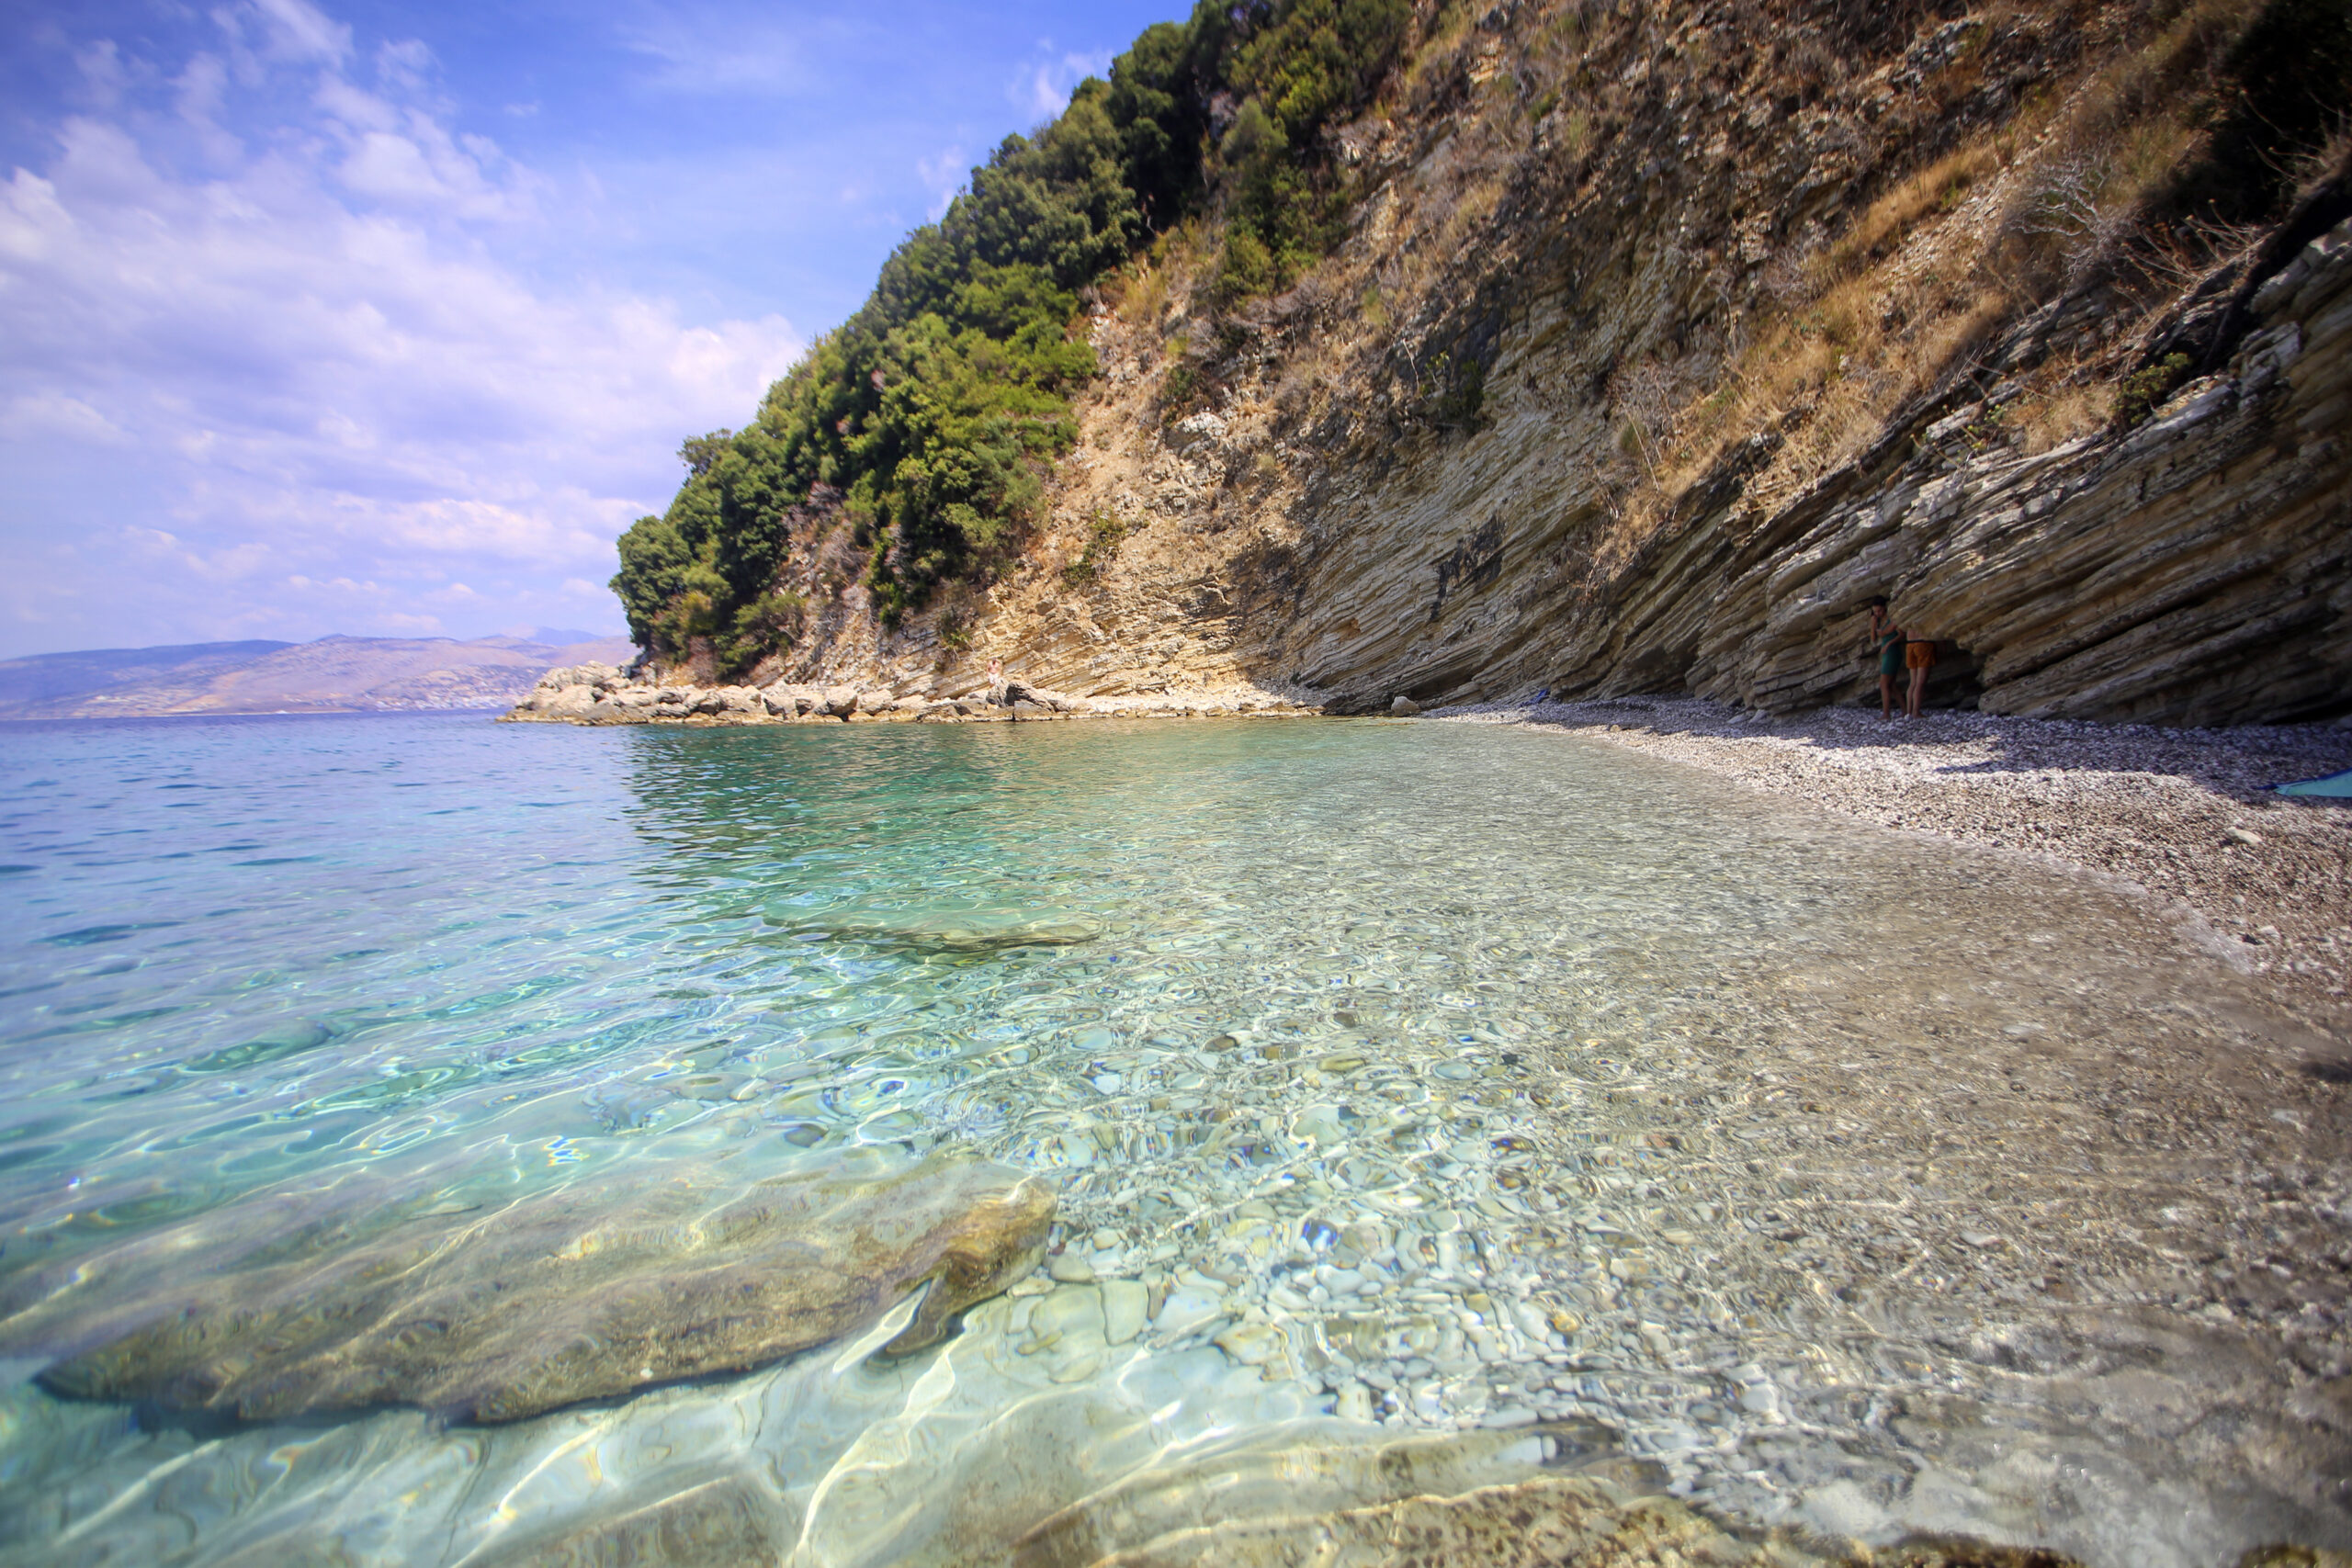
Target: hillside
column 1461, row 352
column 335, row 674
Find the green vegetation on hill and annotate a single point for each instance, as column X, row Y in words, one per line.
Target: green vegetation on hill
column 1322, row 62
column 932, row 412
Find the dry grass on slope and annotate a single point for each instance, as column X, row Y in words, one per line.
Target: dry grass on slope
column 2059, row 199
column 1846, row 321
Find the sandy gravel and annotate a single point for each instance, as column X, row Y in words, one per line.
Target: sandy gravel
column 2184, row 815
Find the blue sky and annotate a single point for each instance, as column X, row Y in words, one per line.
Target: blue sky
column 386, row 319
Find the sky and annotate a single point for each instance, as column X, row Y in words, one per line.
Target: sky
column 387, row 320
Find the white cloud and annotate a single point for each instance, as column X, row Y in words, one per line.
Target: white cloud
column 1043, row 87
column 403, row 63
column 202, row 86
column 703, row 48
column 294, row 30
column 944, row 173
column 103, row 77
column 355, row 110
column 304, row 388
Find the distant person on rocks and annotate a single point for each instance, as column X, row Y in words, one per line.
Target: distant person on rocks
column 1005, row 693
column 1886, row 637
column 1918, row 657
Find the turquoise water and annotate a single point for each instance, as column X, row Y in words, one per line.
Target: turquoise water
column 2334, row 785
column 1505, row 1094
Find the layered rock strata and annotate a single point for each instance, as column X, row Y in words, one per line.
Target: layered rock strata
column 2194, row 570
column 501, row 1310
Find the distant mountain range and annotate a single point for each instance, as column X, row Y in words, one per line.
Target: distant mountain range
column 335, row 674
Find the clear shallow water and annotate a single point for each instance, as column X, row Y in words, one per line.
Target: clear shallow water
column 1428, row 1081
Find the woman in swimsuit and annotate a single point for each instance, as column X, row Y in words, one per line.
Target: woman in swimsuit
column 1887, row 638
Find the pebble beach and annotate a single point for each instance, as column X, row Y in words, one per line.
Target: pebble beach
column 2186, row 816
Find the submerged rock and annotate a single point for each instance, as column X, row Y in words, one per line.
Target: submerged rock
column 952, row 931
column 724, row 1520
column 1601, row 1516
column 505, row 1310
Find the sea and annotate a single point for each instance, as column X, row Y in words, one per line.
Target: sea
column 1425, row 1109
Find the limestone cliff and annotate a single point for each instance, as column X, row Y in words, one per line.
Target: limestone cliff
column 1663, row 336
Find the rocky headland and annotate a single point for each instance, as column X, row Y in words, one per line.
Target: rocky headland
column 1653, row 342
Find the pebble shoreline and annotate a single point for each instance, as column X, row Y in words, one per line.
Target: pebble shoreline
column 2186, row 816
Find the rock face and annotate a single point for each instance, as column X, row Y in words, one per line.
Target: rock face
column 496, row 1312
column 2194, row 570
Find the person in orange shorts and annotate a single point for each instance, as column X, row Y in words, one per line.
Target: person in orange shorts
column 1918, row 657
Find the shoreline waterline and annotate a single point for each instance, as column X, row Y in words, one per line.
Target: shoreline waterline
column 2186, row 817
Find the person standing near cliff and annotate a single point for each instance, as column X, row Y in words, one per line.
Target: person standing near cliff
column 1918, row 657
column 1887, row 639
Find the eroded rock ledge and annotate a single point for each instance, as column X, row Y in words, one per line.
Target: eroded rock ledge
column 599, row 694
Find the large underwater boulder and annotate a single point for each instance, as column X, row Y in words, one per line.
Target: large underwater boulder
column 280, row 1307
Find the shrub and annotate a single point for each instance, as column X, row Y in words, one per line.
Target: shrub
column 770, row 622
column 1104, row 532
column 1180, row 386
column 1247, row 268
column 1457, row 391
column 1300, row 65
column 960, row 615
column 2140, row 394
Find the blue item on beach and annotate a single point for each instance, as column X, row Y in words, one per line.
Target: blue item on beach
column 2336, row 785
